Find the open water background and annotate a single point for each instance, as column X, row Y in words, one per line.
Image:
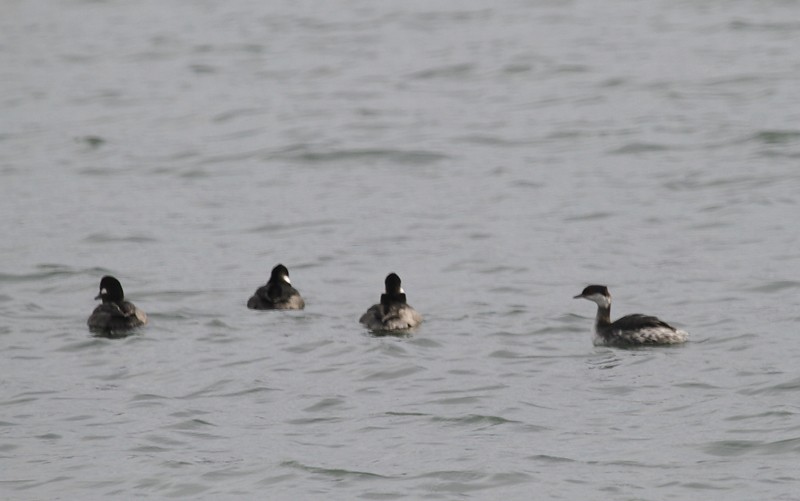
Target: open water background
column 499, row 157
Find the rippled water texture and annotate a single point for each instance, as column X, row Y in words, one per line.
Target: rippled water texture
column 498, row 157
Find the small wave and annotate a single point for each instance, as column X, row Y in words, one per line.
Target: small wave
column 508, row 354
column 741, row 25
column 93, row 142
column 777, row 136
column 98, row 171
column 776, row 286
column 787, row 387
column 604, row 360
column 425, row 342
column 761, row 415
column 100, row 238
column 236, row 363
column 236, row 113
column 462, row 481
column 273, row 228
column 572, row 68
column 44, row 272
column 488, row 140
column 592, row 216
column 200, row 68
column 82, row 345
column 471, row 419
column 211, row 390
column 49, row 436
column 629, row 463
column 16, row 401
column 450, row 71
column 194, row 173
column 613, row 82
column 190, row 424
column 325, row 403
column 250, row 391
column 726, row 448
column 489, row 388
column 147, row 397
column 309, row 346
column 149, row 449
column 456, row 401
column 751, row 182
column 550, row 459
column 698, row 386
column 406, row 157
column 388, row 374
column 637, row 148
column 314, row 420
column 331, row 472
column 514, row 68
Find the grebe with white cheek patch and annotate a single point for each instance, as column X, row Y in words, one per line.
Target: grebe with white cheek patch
column 630, row 330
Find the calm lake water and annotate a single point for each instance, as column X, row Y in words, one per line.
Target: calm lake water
column 498, row 157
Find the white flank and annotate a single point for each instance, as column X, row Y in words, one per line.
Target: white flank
column 659, row 335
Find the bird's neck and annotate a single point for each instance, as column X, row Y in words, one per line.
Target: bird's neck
column 603, row 316
column 390, row 298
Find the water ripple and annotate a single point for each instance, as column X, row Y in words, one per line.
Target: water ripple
column 450, row 71
column 332, row 472
column 639, row 148
column 774, row 389
column 777, row 136
column 727, row 448
column 408, row 157
column 102, row 238
column 776, row 286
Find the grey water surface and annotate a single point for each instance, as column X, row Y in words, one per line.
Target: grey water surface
column 498, row 156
